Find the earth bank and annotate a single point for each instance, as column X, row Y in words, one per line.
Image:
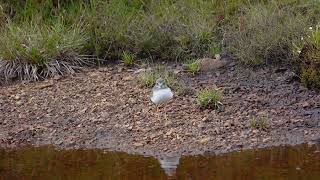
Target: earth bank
column 107, row 108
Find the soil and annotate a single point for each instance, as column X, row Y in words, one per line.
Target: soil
column 107, row 108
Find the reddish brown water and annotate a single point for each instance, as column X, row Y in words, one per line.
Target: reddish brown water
column 299, row 162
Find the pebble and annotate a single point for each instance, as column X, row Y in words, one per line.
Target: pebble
column 227, row 124
column 17, row 97
column 128, row 78
column 205, row 140
column 137, row 144
column 305, row 104
column 19, row 103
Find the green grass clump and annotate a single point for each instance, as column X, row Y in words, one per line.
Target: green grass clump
column 309, row 59
column 128, row 58
column 193, row 66
column 149, row 78
column 254, row 43
column 31, row 51
column 214, row 50
column 209, row 98
column 315, row 36
column 259, row 122
column 310, row 77
column 40, row 39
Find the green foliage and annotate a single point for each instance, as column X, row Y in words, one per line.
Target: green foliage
column 310, row 77
column 309, row 59
column 44, row 32
column 39, row 43
column 209, row 98
column 315, row 36
column 161, row 29
column 260, row 122
column 148, row 78
column 193, row 66
column 213, row 50
column 265, row 33
column 34, row 51
column 128, row 58
column 3, row 16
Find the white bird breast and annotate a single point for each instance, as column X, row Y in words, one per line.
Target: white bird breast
column 161, row 96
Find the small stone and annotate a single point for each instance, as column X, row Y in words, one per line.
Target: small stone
column 83, row 111
column 205, row 119
column 265, row 140
column 255, row 131
column 217, row 56
column 120, row 70
column 208, row 64
column 139, row 71
column 169, row 132
column 227, row 124
column 19, row 103
column 153, row 136
column 305, row 104
column 217, row 130
column 137, row 144
column 128, row 78
column 205, row 140
column 22, row 116
column 177, row 71
column 57, row 77
column 17, row 97
column 167, row 123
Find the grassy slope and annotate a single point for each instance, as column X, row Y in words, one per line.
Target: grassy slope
column 43, row 38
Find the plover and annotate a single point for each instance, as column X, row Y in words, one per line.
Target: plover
column 161, row 94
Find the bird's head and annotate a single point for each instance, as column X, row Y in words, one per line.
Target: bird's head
column 160, row 83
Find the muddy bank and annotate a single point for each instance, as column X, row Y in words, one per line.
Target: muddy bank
column 107, row 108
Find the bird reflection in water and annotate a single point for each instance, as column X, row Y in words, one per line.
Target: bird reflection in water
column 169, row 165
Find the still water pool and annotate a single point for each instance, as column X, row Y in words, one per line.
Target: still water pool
column 298, row 162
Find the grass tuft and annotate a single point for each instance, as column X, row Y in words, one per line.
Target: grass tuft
column 128, row 58
column 259, row 122
column 31, row 51
column 209, row 98
column 193, row 66
column 309, row 59
column 149, row 78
